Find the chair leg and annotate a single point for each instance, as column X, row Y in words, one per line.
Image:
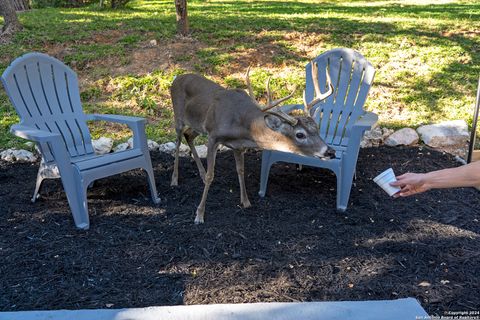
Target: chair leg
column 151, row 178
column 151, row 183
column 266, row 164
column 36, row 195
column 344, row 187
column 76, row 193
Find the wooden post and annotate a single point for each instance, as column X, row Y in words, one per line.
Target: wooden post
column 182, row 18
column 471, row 145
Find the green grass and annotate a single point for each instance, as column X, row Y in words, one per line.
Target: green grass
column 426, row 53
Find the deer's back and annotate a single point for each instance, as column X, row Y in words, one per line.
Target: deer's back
column 201, row 103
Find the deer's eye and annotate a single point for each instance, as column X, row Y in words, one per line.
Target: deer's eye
column 300, row 135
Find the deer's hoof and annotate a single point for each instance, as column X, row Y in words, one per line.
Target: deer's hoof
column 199, row 220
column 246, row 204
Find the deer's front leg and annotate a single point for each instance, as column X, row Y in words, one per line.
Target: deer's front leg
column 240, row 164
column 211, row 154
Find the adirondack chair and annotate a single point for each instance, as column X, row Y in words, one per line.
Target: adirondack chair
column 341, row 118
column 45, row 94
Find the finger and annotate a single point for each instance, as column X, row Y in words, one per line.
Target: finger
column 402, row 176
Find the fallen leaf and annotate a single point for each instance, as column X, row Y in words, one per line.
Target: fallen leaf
column 424, row 284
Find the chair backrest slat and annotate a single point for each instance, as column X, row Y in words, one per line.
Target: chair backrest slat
column 45, row 93
column 352, row 76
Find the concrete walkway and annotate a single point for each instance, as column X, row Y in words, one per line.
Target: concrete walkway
column 401, row 309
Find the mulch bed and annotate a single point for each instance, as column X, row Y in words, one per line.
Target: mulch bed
column 290, row 246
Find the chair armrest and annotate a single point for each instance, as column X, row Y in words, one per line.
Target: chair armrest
column 36, row 135
column 136, row 124
column 366, row 122
column 115, row 118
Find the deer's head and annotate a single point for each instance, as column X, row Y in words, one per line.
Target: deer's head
column 297, row 134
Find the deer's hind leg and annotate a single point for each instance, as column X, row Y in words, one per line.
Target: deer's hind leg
column 240, row 164
column 190, row 135
column 174, row 181
column 211, row 154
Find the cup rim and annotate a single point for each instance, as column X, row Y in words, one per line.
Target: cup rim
column 383, row 174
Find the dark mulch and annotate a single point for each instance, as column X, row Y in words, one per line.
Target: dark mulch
column 290, row 246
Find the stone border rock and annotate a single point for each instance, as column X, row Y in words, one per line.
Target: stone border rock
column 447, row 136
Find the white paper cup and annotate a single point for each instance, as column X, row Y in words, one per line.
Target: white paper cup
column 384, row 179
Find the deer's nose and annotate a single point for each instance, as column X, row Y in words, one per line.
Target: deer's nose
column 330, row 153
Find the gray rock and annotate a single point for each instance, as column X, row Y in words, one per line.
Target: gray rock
column 405, row 136
column 49, row 171
column 168, row 147
column 444, row 134
column 30, row 144
column 152, row 145
column 13, row 155
column 375, row 137
column 102, row 145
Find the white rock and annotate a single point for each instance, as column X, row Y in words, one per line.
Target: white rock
column 405, row 136
column 121, row 147
column 102, row 145
column 443, row 134
column 12, row 155
column 168, row 147
column 152, row 145
column 222, row 148
column 201, row 151
column 130, row 142
column 153, row 43
column 184, row 150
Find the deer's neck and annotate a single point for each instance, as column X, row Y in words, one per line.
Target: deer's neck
column 268, row 139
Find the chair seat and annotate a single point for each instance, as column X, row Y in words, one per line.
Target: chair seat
column 97, row 161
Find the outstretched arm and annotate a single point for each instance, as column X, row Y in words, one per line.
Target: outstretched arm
column 464, row 176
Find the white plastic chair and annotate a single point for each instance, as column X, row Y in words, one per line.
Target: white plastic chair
column 341, row 118
column 45, row 94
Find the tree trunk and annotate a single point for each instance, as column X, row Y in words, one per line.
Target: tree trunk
column 21, row 5
column 119, row 3
column 182, row 18
column 11, row 23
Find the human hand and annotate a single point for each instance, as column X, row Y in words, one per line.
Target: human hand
column 410, row 183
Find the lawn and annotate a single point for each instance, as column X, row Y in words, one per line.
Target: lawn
column 426, row 53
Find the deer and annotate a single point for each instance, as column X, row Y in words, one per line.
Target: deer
column 235, row 119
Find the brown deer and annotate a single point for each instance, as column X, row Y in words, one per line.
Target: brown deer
column 233, row 118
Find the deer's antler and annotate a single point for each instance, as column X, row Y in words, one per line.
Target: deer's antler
column 319, row 96
column 271, row 104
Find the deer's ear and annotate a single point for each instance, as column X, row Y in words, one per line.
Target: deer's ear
column 273, row 122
